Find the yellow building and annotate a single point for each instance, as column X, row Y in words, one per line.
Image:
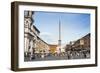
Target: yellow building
column 53, row 48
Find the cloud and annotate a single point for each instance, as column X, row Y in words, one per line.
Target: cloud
column 45, row 34
column 48, row 37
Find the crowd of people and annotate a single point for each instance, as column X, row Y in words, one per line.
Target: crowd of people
column 78, row 54
column 81, row 54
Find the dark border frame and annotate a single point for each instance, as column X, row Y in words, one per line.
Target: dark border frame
column 15, row 38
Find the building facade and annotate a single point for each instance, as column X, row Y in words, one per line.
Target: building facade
column 42, row 46
column 80, row 44
column 30, row 33
column 83, row 43
column 33, row 44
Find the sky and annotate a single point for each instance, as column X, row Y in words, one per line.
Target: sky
column 73, row 26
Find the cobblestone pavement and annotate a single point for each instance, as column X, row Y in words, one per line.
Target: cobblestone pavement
column 52, row 57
